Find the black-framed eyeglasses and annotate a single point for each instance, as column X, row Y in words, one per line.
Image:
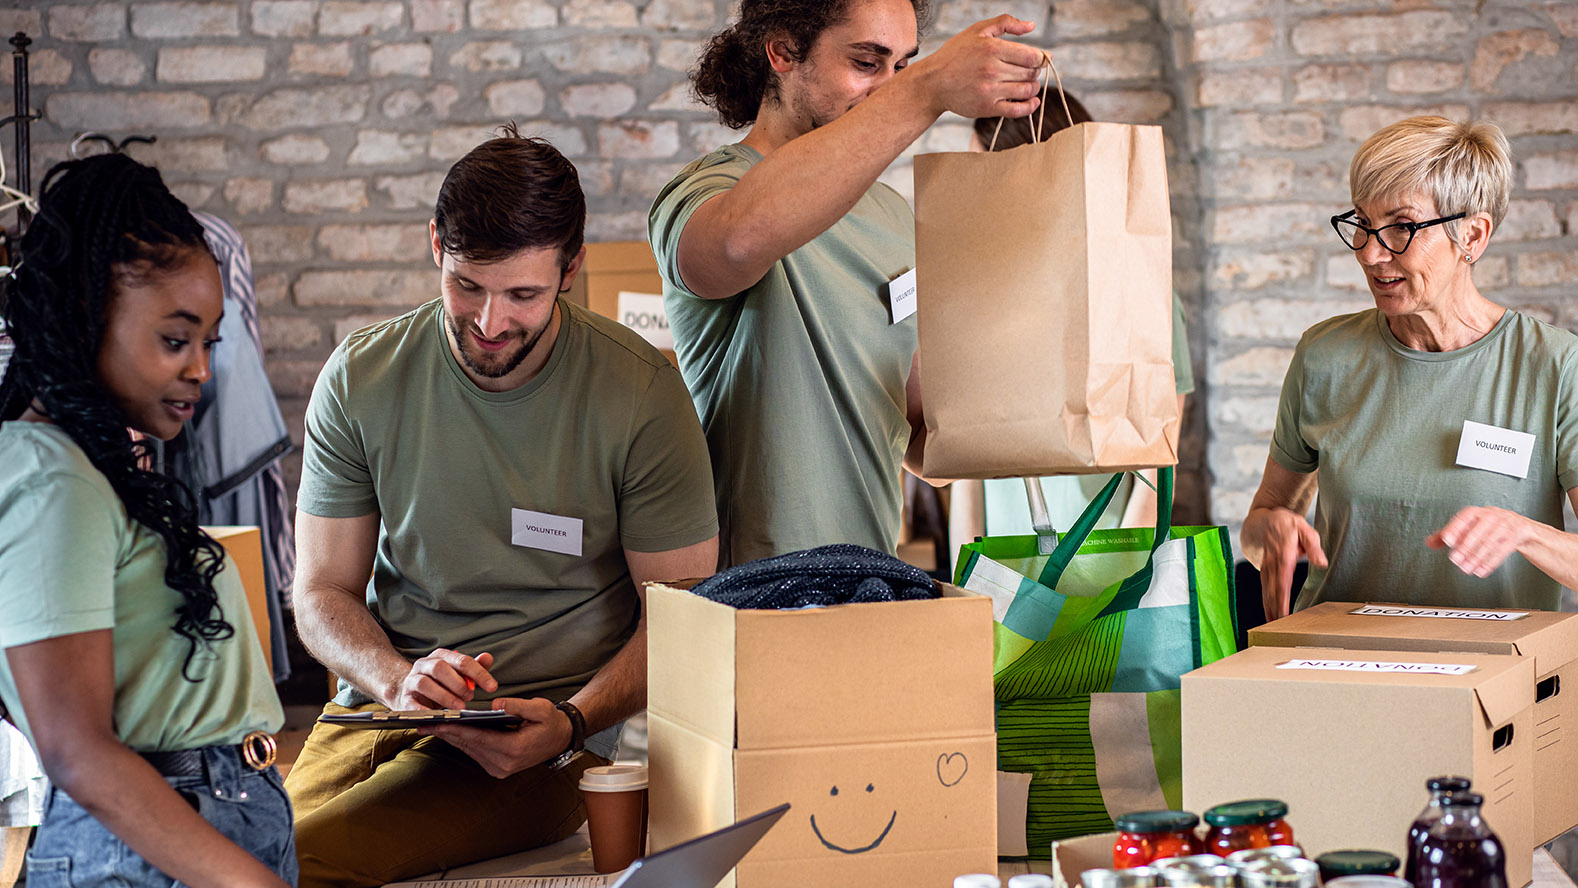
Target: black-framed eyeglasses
column 1395, row 237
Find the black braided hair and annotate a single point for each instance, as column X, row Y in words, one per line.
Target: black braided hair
column 95, row 214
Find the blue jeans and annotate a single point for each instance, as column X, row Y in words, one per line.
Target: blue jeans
column 249, row 807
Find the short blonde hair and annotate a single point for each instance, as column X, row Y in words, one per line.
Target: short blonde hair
column 1465, row 167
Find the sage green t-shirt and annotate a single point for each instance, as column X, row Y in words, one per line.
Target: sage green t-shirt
column 72, row 561
column 1381, row 423
column 604, row 437
column 799, row 380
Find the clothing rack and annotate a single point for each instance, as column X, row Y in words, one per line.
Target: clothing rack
column 23, row 120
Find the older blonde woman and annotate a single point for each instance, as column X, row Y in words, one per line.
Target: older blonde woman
column 1443, row 428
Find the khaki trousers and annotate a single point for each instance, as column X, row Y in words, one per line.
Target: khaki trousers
column 380, row 806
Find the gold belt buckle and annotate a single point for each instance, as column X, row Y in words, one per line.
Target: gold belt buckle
column 259, row 750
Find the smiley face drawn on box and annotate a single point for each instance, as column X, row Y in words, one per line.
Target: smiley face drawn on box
column 852, row 844
column 858, row 814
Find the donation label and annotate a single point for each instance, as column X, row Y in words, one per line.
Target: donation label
column 644, row 313
column 1375, row 666
column 1380, row 610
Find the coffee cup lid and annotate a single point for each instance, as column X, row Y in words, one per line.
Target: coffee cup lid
column 614, row 778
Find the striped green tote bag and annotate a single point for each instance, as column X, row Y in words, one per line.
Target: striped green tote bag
column 1090, row 643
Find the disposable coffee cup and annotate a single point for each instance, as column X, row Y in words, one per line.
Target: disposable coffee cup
column 616, row 814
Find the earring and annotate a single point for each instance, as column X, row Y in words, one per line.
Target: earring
column 1468, row 257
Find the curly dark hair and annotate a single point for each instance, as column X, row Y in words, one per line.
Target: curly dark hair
column 1017, row 131
column 95, row 214
column 734, row 76
column 509, row 194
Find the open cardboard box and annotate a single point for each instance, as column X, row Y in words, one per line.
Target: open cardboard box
column 1348, row 741
column 244, row 545
column 874, row 721
column 1549, row 638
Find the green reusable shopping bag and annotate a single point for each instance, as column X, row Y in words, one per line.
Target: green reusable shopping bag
column 1090, row 644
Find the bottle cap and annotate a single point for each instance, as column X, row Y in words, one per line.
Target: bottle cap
column 1447, row 784
column 1465, row 799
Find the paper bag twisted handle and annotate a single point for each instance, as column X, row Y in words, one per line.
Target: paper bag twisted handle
column 1035, row 129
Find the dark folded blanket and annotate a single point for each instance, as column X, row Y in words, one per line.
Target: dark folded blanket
column 838, row 574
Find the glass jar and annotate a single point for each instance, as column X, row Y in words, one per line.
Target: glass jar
column 1440, row 789
column 1253, row 823
column 1336, row 864
column 1461, row 850
column 1148, row 836
column 1139, row 877
column 1280, row 873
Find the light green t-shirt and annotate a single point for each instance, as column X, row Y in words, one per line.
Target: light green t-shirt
column 799, row 380
column 72, row 561
column 1007, row 506
column 1382, row 422
column 605, row 435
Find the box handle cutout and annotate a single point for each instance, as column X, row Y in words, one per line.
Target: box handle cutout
column 1547, row 689
column 1501, row 739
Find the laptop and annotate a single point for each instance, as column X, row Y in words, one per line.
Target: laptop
column 699, row 863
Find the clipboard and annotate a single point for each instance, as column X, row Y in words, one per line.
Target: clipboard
column 385, row 720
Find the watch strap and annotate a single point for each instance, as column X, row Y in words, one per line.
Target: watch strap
column 577, row 725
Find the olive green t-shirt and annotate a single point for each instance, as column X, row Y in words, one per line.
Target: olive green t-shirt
column 604, row 435
column 72, row 560
column 1381, row 422
column 799, row 380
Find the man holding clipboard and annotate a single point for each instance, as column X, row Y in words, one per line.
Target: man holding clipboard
column 509, row 468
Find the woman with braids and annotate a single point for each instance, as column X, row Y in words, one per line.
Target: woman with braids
column 130, row 660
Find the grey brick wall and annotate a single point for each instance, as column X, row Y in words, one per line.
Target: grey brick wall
column 322, row 129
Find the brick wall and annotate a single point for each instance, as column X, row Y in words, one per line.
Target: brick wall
column 322, row 129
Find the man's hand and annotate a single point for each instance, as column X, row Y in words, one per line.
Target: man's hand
column 1285, row 537
column 979, row 74
column 444, row 679
column 545, row 733
column 1481, row 537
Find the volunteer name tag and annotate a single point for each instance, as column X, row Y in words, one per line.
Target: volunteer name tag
column 550, row 533
column 1377, row 610
column 1493, row 449
column 901, row 295
column 1375, row 666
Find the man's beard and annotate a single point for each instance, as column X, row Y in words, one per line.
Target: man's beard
column 495, row 371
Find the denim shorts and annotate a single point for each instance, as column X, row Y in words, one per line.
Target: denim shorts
column 249, row 807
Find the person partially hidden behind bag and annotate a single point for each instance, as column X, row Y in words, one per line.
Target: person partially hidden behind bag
column 509, row 468
column 777, row 252
column 1443, row 427
column 999, row 505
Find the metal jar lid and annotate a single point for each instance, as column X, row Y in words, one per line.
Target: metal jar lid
column 1369, row 881
column 1335, row 864
column 1246, row 812
column 1193, row 861
column 1219, row 876
column 1135, row 877
column 1275, row 852
column 1280, row 873
column 1156, row 821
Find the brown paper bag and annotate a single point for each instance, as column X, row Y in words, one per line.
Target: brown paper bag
column 1044, row 287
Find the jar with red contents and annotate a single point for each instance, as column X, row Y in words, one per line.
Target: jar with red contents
column 1145, row 836
column 1254, row 823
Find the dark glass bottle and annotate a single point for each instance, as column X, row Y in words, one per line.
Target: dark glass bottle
column 1460, row 850
column 1440, row 788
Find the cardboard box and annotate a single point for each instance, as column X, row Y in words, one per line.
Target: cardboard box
column 1070, row 857
column 874, row 721
column 1550, row 638
column 624, row 267
column 244, row 545
column 1349, row 740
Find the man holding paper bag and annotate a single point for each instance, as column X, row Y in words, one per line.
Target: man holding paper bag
column 788, row 269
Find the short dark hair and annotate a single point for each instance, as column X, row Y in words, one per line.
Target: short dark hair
column 1016, row 131
column 509, row 194
column 734, row 76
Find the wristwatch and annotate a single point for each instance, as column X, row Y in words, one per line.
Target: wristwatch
column 577, row 736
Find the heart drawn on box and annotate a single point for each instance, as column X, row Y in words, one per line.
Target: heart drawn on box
column 951, row 768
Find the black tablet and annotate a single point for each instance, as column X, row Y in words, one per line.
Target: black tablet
column 384, row 719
